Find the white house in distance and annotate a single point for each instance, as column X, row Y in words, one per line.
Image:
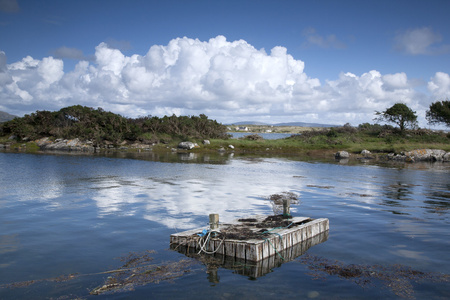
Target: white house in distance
column 241, row 128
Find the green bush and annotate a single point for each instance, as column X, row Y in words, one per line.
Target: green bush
column 99, row 126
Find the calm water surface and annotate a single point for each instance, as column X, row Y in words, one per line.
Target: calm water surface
column 67, row 214
column 265, row 135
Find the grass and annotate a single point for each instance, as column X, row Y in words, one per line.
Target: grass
column 329, row 140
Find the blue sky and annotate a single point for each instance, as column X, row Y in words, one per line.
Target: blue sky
column 273, row 61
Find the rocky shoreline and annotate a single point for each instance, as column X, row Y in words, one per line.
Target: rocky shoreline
column 77, row 145
column 418, row 155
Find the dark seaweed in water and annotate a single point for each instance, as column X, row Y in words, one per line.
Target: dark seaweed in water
column 137, row 270
column 398, row 278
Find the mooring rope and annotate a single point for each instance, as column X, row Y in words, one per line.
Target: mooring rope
column 207, row 239
column 279, row 235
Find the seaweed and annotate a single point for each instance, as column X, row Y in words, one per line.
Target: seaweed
column 397, row 277
column 137, row 270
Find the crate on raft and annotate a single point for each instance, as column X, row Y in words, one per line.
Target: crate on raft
column 253, row 238
column 251, row 269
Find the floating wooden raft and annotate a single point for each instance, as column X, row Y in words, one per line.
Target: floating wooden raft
column 252, row 269
column 254, row 249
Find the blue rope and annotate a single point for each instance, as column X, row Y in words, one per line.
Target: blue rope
column 267, row 239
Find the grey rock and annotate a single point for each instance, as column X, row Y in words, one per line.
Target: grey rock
column 341, row 154
column 365, row 153
column 446, row 157
column 426, row 155
column 187, row 145
column 64, row 145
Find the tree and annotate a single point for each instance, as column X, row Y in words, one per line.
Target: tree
column 439, row 112
column 399, row 114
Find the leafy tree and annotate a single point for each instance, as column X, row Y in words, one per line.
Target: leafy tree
column 399, row 114
column 439, row 112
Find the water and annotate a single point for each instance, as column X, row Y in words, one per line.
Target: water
column 67, row 214
column 265, row 135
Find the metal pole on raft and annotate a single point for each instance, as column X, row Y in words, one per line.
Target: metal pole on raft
column 214, row 221
column 287, row 207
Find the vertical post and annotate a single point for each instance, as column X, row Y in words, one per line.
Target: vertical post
column 214, row 221
column 286, row 207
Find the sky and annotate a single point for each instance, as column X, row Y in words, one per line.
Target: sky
column 329, row 62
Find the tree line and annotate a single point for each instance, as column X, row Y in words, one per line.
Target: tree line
column 99, row 126
column 405, row 117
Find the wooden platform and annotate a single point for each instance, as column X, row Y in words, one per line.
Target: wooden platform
column 272, row 240
column 251, row 269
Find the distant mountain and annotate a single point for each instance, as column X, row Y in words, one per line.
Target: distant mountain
column 249, row 123
column 6, row 117
column 300, row 124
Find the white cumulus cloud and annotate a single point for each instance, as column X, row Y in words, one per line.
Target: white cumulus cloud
column 226, row 80
column 439, row 86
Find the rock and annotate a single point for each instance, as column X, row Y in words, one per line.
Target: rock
column 64, row 145
column 426, row 155
column 409, row 159
column 206, row 142
column 43, row 142
column 446, row 157
column 187, row 145
column 2, row 146
column 341, row 154
column 365, row 153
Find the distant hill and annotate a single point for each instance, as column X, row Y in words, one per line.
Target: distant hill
column 6, row 117
column 249, row 123
column 303, row 124
column 300, row 124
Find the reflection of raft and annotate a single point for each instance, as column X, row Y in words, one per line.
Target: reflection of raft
column 252, row 239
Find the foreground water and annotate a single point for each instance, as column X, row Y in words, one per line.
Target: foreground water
column 69, row 214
